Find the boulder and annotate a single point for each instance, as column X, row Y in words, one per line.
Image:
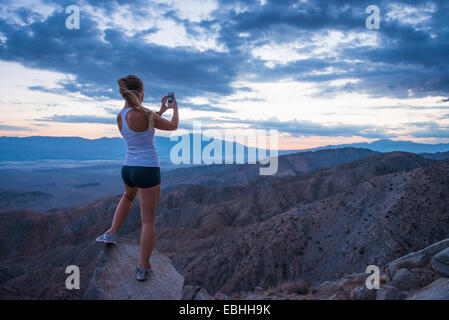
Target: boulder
column 425, row 275
column 412, row 260
column 388, row 292
column 405, row 280
column 416, row 259
column 196, row 293
column 258, row 289
column 221, row 296
column 327, row 285
column 433, row 249
column 440, row 262
column 359, row 277
column 115, row 276
column 437, row 290
column 363, row 293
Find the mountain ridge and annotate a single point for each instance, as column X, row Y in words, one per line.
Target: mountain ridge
column 389, row 145
column 314, row 225
column 77, row 148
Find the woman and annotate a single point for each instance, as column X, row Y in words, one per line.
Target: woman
column 140, row 171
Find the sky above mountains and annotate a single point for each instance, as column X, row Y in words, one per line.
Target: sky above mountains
column 309, row 68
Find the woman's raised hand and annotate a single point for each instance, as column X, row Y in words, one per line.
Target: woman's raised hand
column 174, row 104
column 163, row 101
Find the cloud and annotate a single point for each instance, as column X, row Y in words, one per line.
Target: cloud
column 305, row 128
column 405, row 57
column 207, row 107
column 14, row 128
column 429, row 129
column 113, row 111
column 97, row 58
column 409, row 107
column 300, row 128
column 195, row 107
column 201, row 49
column 79, row 119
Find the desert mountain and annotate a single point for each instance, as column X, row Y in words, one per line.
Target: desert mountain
column 291, row 164
column 436, row 155
column 316, row 225
column 388, row 145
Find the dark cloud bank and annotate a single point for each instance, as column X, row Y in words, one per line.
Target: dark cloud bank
column 409, row 58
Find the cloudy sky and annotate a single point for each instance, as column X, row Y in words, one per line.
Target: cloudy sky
column 309, row 68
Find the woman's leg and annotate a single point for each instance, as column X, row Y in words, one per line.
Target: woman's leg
column 149, row 198
column 123, row 208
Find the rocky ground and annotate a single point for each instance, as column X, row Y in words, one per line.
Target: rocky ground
column 115, row 272
column 304, row 235
column 37, row 248
column 421, row 275
column 316, row 226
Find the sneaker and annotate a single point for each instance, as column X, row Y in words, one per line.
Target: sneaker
column 108, row 238
column 142, row 273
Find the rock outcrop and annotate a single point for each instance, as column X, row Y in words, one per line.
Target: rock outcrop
column 37, row 248
column 437, row 290
column 417, row 276
column 114, row 276
column 416, row 259
column 440, row 262
column 387, row 292
column 420, row 275
column 406, row 278
column 196, row 293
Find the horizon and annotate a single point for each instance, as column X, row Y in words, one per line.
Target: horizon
column 246, row 145
column 313, row 70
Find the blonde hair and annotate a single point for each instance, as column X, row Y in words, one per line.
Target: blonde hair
column 131, row 89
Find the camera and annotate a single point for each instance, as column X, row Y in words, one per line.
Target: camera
column 171, row 96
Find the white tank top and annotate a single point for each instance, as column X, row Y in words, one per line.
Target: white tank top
column 141, row 151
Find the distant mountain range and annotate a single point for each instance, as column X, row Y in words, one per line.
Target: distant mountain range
column 75, row 148
column 238, row 174
column 388, row 145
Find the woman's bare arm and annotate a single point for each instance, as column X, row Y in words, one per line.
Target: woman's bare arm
column 163, row 106
column 164, row 124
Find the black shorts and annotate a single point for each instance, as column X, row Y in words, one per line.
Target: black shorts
column 141, row 177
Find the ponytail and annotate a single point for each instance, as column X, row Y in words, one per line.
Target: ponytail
column 133, row 98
